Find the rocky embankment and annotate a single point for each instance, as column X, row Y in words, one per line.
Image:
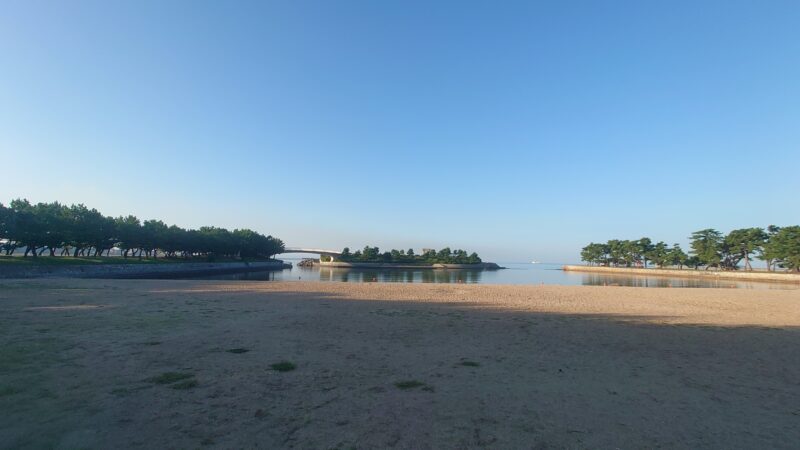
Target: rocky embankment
column 782, row 277
column 154, row 270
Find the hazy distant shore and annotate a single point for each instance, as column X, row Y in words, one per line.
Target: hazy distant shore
column 185, row 364
column 782, row 277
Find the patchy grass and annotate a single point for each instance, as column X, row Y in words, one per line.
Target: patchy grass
column 31, row 352
column 238, row 350
column 47, row 393
column 120, row 392
column 8, row 390
column 283, row 366
column 470, row 364
column 170, row 377
column 409, row 384
column 185, row 384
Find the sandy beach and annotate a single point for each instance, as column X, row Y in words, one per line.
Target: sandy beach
column 189, row 364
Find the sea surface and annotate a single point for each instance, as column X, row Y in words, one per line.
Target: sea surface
column 515, row 273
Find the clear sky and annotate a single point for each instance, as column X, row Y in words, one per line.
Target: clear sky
column 518, row 129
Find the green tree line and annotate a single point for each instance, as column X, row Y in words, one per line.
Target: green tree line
column 79, row 231
column 443, row 256
column 776, row 246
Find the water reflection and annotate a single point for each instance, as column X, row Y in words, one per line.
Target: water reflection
column 515, row 274
column 269, row 275
column 394, row 276
column 664, row 282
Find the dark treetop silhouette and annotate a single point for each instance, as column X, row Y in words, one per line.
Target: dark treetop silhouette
column 79, row 231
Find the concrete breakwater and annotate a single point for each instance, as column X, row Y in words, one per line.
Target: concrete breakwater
column 782, row 277
column 154, row 270
column 366, row 265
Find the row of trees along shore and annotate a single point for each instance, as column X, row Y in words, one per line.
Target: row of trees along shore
column 79, row 231
column 778, row 247
column 443, row 256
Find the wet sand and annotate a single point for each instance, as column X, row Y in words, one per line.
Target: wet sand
column 83, row 364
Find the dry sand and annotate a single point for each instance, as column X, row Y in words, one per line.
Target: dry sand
column 497, row 366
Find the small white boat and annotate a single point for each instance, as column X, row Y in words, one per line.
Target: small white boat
column 535, row 262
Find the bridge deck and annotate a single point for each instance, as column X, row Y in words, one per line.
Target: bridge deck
column 318, row 251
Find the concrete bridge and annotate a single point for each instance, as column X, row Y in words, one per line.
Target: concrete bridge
column 321, row 252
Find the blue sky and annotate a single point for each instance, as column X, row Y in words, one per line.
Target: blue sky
column 518, row 129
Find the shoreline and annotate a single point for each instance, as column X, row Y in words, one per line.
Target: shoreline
column 687, row 273
column 123, row 271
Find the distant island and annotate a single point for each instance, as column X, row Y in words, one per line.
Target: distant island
column 372, row 257
column 428, row 256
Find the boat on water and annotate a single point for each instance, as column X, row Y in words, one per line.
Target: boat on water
column 535, row 262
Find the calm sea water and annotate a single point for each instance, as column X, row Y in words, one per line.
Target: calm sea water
column 515, row 273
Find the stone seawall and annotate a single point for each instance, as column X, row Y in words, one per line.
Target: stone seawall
column 782, row 277
column 365, row 265
column 154, row 270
